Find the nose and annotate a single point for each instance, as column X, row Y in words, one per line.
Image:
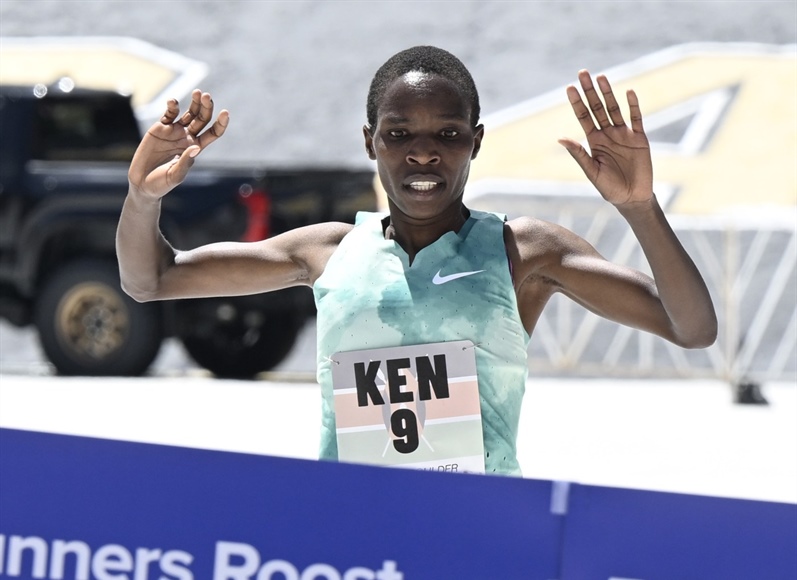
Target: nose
column 423, row 151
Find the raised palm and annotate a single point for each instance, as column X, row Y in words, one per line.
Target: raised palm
column 619, row 163
column 168, row 149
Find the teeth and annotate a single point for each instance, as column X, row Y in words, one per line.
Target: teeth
column 423, row 185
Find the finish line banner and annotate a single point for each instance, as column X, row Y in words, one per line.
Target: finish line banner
column 81, row 508
column 76, row 508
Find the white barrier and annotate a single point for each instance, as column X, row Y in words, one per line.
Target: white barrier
column 749, row 263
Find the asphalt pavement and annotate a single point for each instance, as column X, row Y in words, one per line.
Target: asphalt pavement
column 676, row 436
column 683, row 436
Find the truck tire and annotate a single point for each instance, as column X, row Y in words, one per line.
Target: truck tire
column 88, row 326
column 237, row 337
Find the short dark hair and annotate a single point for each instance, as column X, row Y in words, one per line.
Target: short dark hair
column 425, row 59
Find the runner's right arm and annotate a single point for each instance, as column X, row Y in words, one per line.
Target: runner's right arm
column 151, row 269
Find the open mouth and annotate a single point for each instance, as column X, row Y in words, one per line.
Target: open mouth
column 423, row 186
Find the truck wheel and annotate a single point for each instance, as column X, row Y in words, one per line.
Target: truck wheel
column 232, row 338
column 88, row 326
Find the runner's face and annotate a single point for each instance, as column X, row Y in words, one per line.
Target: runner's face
column 423, row 143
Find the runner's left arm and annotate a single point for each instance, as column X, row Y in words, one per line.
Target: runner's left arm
column 619, row 165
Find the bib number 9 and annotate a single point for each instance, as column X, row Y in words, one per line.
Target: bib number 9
column 404, row 425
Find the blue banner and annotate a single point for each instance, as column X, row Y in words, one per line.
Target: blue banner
column 94, row 509
column 636, row 534
column 74, row 507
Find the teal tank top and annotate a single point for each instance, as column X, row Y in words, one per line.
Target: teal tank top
column 370, row 297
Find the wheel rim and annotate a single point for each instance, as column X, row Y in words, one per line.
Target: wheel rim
column 92, row 321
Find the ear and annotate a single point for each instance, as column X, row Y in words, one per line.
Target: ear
column 369, row 143
column 477, row 140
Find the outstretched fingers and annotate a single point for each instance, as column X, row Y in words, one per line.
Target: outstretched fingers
column 593, row 99
column 602, row 108
column 199, row 113
column 612, row 106
column 196, row 119
column 203, row 113
column 193, row 108
column 172, row 110
column 216, row 130
column 580, row 155
column 636, row 113
column 580, row 109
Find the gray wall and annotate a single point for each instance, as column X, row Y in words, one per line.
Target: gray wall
column 295, row 74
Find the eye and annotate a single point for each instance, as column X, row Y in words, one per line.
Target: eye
column 397, row 133
column 450, row 133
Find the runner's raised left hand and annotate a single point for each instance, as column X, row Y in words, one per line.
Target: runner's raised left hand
column 618, row 163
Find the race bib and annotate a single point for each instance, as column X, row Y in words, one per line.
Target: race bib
column 410, row 406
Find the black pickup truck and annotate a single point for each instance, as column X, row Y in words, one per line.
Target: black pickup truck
column 64, row 156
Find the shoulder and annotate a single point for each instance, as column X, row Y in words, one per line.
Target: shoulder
column 316, row 235
column 535, row 236
column 535, row 245
column 311, row 246
column 325, row 236
column 331, row 233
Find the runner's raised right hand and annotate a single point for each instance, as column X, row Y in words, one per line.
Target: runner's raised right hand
column 168, row 149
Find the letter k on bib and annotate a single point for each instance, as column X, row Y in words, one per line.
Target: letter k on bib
column 410, row 406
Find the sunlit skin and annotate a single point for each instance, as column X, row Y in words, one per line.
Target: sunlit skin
column 423, row 143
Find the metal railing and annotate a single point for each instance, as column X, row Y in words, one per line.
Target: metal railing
column 749, row 264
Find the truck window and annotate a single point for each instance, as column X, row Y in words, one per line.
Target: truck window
column 84, row 130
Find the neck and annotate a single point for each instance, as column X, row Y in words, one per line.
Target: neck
column 414, row 234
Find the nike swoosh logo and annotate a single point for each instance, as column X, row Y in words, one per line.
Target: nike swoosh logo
column 438, row 279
